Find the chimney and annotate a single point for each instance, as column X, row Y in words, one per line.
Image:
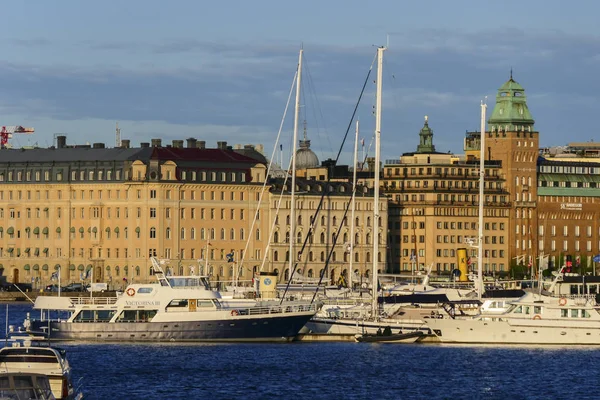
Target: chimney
column 201, row 144
column 222, row 145
column 61, row 142
column 156, row 142
column 248, row 147
column 260, row 148
column 144, row 145
column 98, row 146
column 178, row 144
column 191, row 143
column 125, row 143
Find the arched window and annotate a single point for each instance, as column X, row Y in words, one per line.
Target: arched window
column 152, row 233
column 357, row 222
column 333, row 257
column 242, row 234
column 286, row 275
column 222, row 233
column 345, row 237
column 322, row 237
column 334, row 221
column 287, row 220
column 323, row 220
column 202, row 234
column 368, row 221
column 368, row 241
column 356, row 237
column 183, row 233
column 310, row 273
column 287, row 255
column 168, row 233
column 322, row 256
column 379, row 257
column 193, row 233
column 287, row 237
column 356, row 257
column 275, row 256
column 257, row 234
column 276, row 237
column 345, row 257
column 299, row 219
column 299, row 237
column 368, row 256
column 310, row 256
column 232, row 234
column 212, row 233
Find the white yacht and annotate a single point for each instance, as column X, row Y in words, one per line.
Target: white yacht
column 31, row 355
column 533, row 319
column 175, row 308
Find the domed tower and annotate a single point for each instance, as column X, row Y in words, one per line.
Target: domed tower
column 305, row 157
column 512, row 140
column 426, row 139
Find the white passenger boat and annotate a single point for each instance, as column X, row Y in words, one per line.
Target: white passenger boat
column 175, row 308
column 31, row 355
column 533, row 319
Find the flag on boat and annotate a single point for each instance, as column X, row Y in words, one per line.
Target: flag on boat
column 413, row 256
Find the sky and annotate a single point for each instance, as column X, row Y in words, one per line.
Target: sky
column 223, row 70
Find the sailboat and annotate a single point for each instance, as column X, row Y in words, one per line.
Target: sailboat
column 365, row 317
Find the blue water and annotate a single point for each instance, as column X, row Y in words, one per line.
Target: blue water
column 329, row 370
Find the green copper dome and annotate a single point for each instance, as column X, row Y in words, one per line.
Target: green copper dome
column 510, row 112
column 426, row 139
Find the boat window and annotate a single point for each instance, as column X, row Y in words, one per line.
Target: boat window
column 518, row 310
column 585, row 314
column 592, row 289
column 94, row 316
column 574, row 289
column 145, row 290
column 511, row 308
column 537, row 309
column 527, row 310
column 177, row 304
column 574, row 313
column 204, row 303
column 136, row 315
column 564, row 313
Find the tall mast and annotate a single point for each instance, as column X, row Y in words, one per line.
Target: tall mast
column 295, row 141
column 380, row 51
column 353, row 203
column 481, row 201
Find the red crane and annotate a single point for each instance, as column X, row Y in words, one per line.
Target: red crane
column 7, row 131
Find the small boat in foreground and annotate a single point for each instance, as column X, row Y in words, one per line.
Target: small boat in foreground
column 408, row 337
column 27, row 356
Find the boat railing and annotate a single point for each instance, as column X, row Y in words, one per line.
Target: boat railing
column 93, row 300
column 278, row 309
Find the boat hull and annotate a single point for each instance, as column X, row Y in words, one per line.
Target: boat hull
column 504, row 332
column 277, row 328
column 409, row 337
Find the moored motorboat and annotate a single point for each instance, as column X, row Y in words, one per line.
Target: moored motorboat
column 175, row 308
column 533, row 319
column 408, row 337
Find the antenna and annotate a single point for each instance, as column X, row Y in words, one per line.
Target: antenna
column 118, row 136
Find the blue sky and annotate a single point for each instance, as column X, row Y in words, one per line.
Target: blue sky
column 223, row 70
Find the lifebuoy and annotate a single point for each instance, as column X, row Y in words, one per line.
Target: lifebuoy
column 562, row 301
column 130, row 292
column 537, row 316
column 234, row 313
